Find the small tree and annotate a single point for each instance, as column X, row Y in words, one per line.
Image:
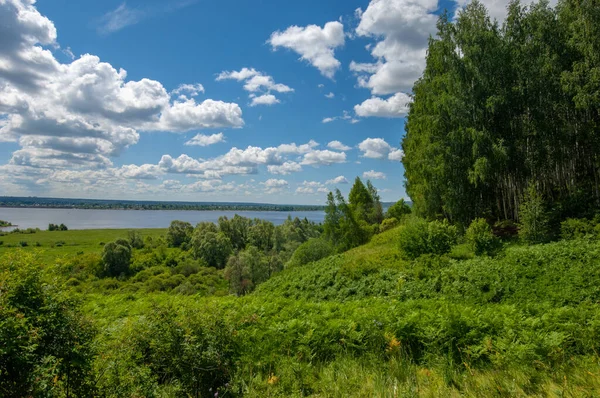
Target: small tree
column 398, row 210
column 179, row 233
column 135, row 240
column 116, row 257
column 480, row 238
column 533, row 217
column 214, row 248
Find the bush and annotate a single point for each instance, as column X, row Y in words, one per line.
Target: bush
column 54, row 227
column 534, row 218
column 23, row 243
column 398, row 210
column 419, row 237
column 576, row 228
column 47, row 346
column 480, row 238
column 116, row 257
column 311, row 250
column 388, row 224
column 135, row 239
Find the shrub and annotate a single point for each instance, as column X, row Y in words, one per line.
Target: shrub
column 23, row 243
column 135, row 239
column 534, row 218
column 311, row 250
column 179, row 233
column 398, row 210
column 388, row 224
column 47, row 346
column 576, row 228
column 116, row 257
column 419, row 237
column 480, row 238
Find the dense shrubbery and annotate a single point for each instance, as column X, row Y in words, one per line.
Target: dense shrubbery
column 46, row 343
column 311, row 250
column 420, row 237
column 55, row 227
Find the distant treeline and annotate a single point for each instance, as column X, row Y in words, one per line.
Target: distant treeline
column 62, row 203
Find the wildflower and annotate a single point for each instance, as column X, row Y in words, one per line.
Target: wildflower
column 272, row 379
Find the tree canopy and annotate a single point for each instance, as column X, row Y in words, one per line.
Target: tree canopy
column 501, row 107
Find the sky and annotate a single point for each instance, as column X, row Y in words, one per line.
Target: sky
column 266, row 101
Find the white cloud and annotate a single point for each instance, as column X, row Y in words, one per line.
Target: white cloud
column 239, row 161
column 192, row 89
column 82, row 113
column 395, row 106
column 285, row 168
column 275, row 183
column 330, row 95
column 305, row 190
column 256, row 82
column 402, row 28
column 323, row 157
column 187, row 115
column 206, row 140
column 265, row 99
column 275, row 186
column 377, row 148
column 396, row 154
column 338, row 146
column 297, row 149
column 345, row 116
column 374, row 175
column 337, row 180
column 314, row 44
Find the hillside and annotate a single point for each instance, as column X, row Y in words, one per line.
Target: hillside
column 369, row 323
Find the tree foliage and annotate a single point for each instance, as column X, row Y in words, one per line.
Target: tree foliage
column 500, row 107
column 116, row 257
column 46, row 347
column 179, row 233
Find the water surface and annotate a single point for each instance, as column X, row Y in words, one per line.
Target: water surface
column 116, row 219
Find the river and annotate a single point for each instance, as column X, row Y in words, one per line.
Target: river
column 117, row 219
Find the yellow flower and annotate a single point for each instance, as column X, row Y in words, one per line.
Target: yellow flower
column 272, row 379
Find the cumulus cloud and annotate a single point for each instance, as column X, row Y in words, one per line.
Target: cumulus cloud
column 285, row 168
column 311, row 188
column 323, row 157
column 378, row 148
column 374, row 175
column 314, row 44
column 330, row 95
column 337, row 180
column 82, row 113
column 396, row 154
column 338, row 146
column 265, row 99
column 395, row 106
column 190, row 89
column 206, row 140
column 258, row 84
column 275, row 183
column 402, row 28
column 240, row 161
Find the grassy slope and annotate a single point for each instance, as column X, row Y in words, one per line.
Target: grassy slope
column 367, row 323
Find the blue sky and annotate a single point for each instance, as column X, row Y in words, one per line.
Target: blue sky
column 265, row 101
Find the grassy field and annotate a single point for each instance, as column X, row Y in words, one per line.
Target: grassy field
column 51, row 245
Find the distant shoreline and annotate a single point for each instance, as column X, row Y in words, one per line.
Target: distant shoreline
column 182, row 208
